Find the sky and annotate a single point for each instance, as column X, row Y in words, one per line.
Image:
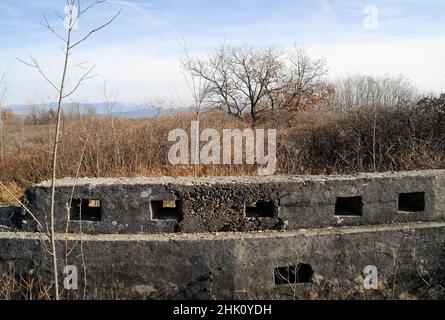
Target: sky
column 138, row 55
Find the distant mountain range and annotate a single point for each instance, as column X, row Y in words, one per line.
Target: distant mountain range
column 119, row 109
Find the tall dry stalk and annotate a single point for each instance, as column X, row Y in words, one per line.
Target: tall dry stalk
column 74, row 13
column 200, row 89
column 3, row 91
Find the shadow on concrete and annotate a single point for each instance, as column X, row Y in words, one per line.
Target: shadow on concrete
column 10, row 218
column 197, row 289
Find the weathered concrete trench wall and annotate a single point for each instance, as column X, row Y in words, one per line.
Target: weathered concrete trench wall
column 241, row 265
column 226, row 237
column 222, row 204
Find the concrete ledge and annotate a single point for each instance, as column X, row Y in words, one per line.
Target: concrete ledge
column 166, row 237
column 224, row 204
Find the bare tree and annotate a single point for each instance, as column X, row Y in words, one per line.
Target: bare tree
column 362, row 91
column 215, row 70
column 244, row 79
column 240, row 78
column 200, row 89
column 75, row 12
column 32, row 115
column 369, row 95
column 3, row 91
column 158, row 105
column 255, row 73
column 110, row 100
column 305, row 84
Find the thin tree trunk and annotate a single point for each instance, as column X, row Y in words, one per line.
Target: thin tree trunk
column 1, row 135
column 54, row 159
column 374, row 138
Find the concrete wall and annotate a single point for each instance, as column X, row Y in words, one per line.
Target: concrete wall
column 219, row 246
column 241, row 265
column 219, row 204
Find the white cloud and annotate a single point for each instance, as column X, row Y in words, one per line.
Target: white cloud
column 136, row 74
column 419, row 59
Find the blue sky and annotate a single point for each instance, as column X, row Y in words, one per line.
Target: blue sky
column 138, row 55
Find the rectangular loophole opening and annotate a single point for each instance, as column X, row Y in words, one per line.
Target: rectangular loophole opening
column 165, row 210
column 301, row 273
column 349, row 206
column 261, row 209
column 412, row 202
column 86, row 210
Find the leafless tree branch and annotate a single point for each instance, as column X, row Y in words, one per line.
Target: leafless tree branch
column 95, row 30
column 85, row 77
column 36, row 65
column 47, row 25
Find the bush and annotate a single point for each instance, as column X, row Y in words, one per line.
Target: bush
column 407, row 137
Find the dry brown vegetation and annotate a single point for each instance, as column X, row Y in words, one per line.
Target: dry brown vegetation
column 327, row 142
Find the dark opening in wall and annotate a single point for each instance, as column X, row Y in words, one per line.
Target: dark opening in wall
column 165, row 210
column 349, row 206
column 412, row 202
column 302, row 273
column 261, row 209
column 86, row 210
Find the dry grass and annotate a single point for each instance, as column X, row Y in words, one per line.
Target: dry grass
column 5, row 196
column 16, row 286
column 308, row 143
